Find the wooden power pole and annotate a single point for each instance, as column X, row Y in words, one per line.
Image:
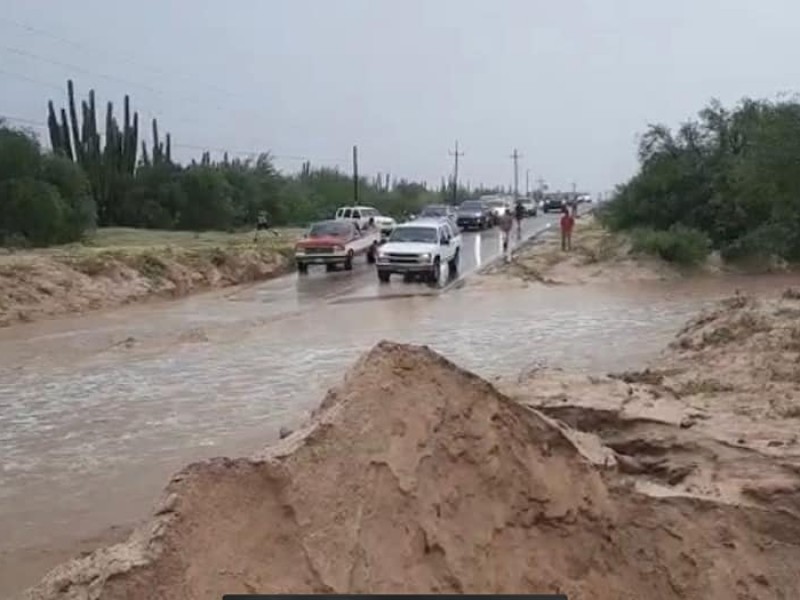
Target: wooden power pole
column 455, row 154
column 355, row 175
column 516, row 156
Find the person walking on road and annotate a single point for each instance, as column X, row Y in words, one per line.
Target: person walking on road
column 567, row 225
column 506, row 223
column 519, row 215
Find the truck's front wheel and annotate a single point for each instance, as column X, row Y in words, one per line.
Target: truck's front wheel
column 302, row 268
column 348, row 262
column 384, row 276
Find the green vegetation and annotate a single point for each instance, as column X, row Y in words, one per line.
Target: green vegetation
column 728, row 181
column 112, row 180
column 44, row 198
column 678, row 244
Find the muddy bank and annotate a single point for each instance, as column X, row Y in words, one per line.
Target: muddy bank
column 716, row 417
column 417, row 476
column 36, row 286
column 597, row 256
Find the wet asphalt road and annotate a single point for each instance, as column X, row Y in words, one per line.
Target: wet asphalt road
column 478, row 249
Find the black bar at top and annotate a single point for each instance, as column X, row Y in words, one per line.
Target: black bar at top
column 395, row 597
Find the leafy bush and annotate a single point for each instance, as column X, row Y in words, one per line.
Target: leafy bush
column 731, row 174
column 678, row 245
column 43, row 198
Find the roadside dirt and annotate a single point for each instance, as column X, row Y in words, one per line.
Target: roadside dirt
column 597, row 256
column 717, row 417
column 33, row 287
column 415, row 476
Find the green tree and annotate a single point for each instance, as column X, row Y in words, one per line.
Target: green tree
column 44, row 199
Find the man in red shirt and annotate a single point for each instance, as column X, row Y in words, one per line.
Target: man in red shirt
column 567, row 224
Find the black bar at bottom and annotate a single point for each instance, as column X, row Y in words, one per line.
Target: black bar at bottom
column 394, row 597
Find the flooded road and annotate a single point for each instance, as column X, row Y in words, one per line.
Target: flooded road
column 97, row 412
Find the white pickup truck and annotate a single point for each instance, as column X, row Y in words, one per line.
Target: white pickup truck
column 335, row 243
column 420, row 248
column 364, row 215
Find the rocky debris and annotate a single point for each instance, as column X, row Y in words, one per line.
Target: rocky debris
column 415, row 476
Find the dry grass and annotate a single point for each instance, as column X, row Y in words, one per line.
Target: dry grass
column 124, row 241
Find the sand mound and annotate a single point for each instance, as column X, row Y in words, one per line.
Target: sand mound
column 416, row 476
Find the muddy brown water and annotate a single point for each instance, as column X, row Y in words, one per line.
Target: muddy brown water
column 96, row 412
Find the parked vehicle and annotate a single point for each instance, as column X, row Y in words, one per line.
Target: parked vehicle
column 364, row 215
column 420, row 248
column 474, row 214
column 435, row 211
column 335, row 243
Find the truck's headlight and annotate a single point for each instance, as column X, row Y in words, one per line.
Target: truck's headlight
column 300, row 250
column 424, row 258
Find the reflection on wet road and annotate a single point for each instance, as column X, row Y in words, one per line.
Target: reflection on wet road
column 96, row 412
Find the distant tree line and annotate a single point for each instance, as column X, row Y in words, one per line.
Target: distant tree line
column 113, row 178
column 727, row 181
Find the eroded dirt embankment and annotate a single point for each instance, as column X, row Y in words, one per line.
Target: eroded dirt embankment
column 716, row 417
column 597, row 256
column 33, row 287
column 415, row 476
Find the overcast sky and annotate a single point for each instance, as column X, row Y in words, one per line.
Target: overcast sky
column 570, row 83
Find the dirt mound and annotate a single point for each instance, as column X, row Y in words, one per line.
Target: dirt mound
column 416, row 476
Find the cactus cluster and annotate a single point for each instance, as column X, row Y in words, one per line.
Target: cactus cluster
column 111, row 167
column 162, row 151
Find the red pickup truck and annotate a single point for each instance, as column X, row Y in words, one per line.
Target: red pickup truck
column 335, row 243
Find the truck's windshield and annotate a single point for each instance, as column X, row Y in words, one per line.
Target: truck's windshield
column 425, row 235
column 330, row 228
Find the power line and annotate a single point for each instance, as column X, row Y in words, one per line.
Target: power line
column 29, row 79
column 221, row 150
column 128, row 60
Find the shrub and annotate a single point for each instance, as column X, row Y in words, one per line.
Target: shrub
column 678, row 244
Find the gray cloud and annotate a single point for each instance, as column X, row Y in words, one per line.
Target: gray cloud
column 568, row 83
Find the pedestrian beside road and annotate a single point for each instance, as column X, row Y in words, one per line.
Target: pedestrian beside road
column 506, row 223
column 567, row 225
column 519, row 215
column 262, row 224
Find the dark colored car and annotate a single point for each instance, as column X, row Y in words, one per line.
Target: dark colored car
column 553, row 204
column 474, row 214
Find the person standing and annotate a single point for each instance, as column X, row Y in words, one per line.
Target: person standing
column 506, row 223
column 519, row 215
column 567, row 225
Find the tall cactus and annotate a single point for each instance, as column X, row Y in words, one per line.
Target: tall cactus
column 109, row 165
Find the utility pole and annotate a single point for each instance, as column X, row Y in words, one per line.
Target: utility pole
column 355, row 175
column 527, row 182
column 516, row 156
column 455, row 154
